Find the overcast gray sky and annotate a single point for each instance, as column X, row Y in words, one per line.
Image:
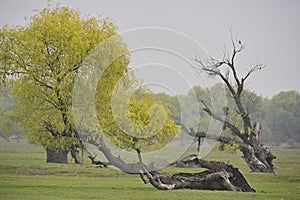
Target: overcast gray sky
column 270, row 30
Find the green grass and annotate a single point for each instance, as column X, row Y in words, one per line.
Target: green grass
column 24, row 174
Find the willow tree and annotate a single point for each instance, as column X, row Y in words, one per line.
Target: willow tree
column 143, row 125
column 237, row 118
column 112, row 109
column 43, row 58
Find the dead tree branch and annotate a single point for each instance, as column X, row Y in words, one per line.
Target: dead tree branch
column 256, row 155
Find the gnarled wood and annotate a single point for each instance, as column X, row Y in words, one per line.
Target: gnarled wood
column 236, row 179
column 259, row 159
column 257, row 156
column 219, row 176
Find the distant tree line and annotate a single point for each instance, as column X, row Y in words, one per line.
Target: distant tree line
column 279, row 115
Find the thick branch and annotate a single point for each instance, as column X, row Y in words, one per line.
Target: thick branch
column 51, row 128
column 96, row 162
column 232, row 127
column 131, row 168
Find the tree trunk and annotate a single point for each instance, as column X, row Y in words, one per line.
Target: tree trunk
column 57, row 156
column 130, row 168
column 207, row 180
column 219, row 176
column 76, row 156
column 258, row 158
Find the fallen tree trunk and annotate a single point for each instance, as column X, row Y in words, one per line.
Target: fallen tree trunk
column 219, row 176
column 207, row 180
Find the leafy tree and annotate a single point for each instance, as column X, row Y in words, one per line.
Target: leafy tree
column 183, row 107
column 43, row 59
column 283, row 115
column 6, row 106
column 172, row 102
column 142, row 125
column 180, row 106
column 127, row 115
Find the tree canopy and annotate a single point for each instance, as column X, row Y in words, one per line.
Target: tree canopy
column 42, row 59
column 282, row 115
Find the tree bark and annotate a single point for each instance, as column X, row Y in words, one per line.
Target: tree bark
column 75, row 155
column 130, row 168
column 207, row 180
column 219, row 176
column 258, row 158
column 57, row 156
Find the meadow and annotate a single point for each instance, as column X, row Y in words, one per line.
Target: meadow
column 24, row 174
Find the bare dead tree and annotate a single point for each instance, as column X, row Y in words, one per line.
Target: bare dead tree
column 257, row 156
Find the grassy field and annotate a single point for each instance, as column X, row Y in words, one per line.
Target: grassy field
column 25, row 175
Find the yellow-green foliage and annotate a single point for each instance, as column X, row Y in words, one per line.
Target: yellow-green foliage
column 43, row 59
column 132, row 120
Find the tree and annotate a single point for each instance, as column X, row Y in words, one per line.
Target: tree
column 172, row 103
column 257, row 156
column 43, row 59
column 112, row 109
column 6, row 106
column 283, row 115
